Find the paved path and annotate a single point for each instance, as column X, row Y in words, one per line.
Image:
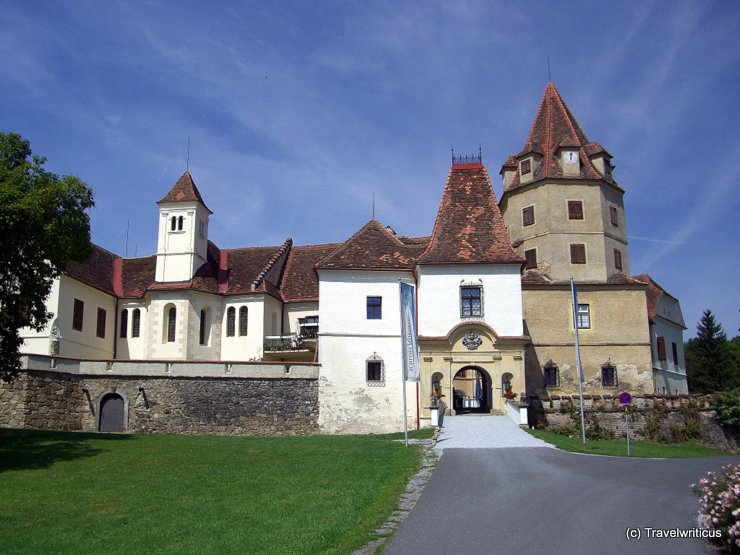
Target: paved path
column 484, row 432
column 542, row 500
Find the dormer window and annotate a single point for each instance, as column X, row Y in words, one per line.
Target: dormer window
column 526, row 167
column 570, row 161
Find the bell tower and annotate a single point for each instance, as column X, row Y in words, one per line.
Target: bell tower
column 562, row 207
column 182, row 243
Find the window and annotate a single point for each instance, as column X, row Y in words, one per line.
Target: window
column 124, row 323
column 528, row 216
column 575, row 210
column 617, row 259
column 552, row 375
column 203, row 332
column 243, row 320
column 608, row 375
column 526, row 167
column 201, row 228
column 674, row 348
column 375, row 370
column 100, row 331
column 136, row 323
column 374, row 308
column 179, row 223
column 584, row 316
column 171, row 321
column 578, row 253
column 173, row 223
column 614, row 216
column 231, row 322
column 531, row 256
column 470, row 301
column 77, row 315
column 661, row 348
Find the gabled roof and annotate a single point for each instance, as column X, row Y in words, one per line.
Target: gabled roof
column 554, row 127
column 97, row 271
column 654, row 293
column 300, row 282
column 184, row 191
column 373, row 247
column 469, row 228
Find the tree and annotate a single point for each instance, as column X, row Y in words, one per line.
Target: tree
column 43, row 226
column 711, row 364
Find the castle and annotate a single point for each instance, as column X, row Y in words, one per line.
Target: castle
column 495, row 321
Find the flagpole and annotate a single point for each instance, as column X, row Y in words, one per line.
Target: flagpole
column 405, row 414
column 579, row 368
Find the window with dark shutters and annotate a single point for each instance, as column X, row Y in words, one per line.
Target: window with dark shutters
column 661, row 348
column 615, row 218
column 575, row 210
column 531, row 257
column 617, row 259
column 578, row 253
column 77, row 315
column 100, row 331
column 528, row 216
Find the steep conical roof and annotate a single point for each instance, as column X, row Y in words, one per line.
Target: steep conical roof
column 554, row 127
column 184, row 191
column 469, row 228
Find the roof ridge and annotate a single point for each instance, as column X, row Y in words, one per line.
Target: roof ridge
column 273, row 260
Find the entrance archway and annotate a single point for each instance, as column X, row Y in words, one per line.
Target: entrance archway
column 111, row 413
column 471, row 391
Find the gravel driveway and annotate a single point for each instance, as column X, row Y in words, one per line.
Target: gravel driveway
column 484, row 432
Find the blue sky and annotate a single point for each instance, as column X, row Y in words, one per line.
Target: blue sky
column 297, row 112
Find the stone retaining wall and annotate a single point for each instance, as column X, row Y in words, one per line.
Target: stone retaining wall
column 224, row 405
column 554, row 413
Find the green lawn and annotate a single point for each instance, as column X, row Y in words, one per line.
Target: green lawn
column 618, row 447
column 93, row 493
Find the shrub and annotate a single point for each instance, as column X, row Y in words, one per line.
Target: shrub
column 719, row 505
column 728, row 408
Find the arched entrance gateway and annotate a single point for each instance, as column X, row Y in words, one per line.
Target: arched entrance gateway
column 112, row 413
column 469, row 370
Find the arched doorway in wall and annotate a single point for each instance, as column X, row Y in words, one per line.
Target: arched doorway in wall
column 471, row 391
column 112, row 413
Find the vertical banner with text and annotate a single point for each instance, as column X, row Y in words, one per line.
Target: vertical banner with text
column 408, row 334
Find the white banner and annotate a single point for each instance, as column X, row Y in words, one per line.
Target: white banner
column 408, row 334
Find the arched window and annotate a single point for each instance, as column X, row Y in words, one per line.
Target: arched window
column 171, row 322
column 203, row 327
column 230, row 321
column 173, row 223
column 124, row 323
column 136, row 323
column 551, row 374
column 179, row 223
column 243, row 320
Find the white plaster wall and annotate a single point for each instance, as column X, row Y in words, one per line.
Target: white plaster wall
column 249, row 346
column 181, row 252
column 293, row 311
column 130, row 347
column 668, row 375
column 348, row 404
column 212, row 304
column 272, row 322
column 85, row 343
column 157, row 346
column 439, row 297
column 37, row 342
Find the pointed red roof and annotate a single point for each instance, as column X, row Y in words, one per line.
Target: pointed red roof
column 373, row 247
column 469, row 228
column 184, row 191
column 554, row 127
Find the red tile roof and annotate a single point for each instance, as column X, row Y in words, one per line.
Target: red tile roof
column 97, row 271
column 469, row 228
column 373, row 247
column 300, row 282
column 554, row 127
column 184, row 191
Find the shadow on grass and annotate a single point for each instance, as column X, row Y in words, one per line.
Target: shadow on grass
column 34, row 449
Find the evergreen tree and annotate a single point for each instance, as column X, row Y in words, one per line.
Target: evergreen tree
column 710, row 362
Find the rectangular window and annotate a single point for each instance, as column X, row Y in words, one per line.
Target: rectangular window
column 531, row 256
column 617, row 259
column 374, row 308
column 614, row 216
column 584, row 316
column 552, row 378
column 674, row 347
column 374, row 371
column 526, row 167
column 77, row 315
column 203, row 329
column 575, row 210
column 470, row 301
column 528, row 216
column 578, row 253
column 100, row 332
column 608, row 376
column 661, row 348
column 124, row 323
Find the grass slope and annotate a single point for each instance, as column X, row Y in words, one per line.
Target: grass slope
column 71, row 492
column 618, row 447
